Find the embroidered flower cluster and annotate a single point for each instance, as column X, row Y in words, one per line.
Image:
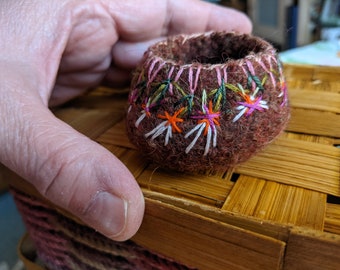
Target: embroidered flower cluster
column 212, row 103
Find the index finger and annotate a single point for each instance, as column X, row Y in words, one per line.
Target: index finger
column 140, row 20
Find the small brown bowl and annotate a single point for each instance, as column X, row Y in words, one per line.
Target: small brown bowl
column 207, row 101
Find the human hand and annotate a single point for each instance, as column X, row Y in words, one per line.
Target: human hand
column 51, row 52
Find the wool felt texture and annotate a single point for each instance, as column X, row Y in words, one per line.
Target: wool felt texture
column 207, row 101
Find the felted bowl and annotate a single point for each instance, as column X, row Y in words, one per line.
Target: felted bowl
column 206, row 101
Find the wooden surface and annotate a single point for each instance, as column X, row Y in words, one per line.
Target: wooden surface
column 279, row 210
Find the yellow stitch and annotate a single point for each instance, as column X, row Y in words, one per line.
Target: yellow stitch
column 218, row 103
column 154, row 100
column 179, row 88
column 213, row 92
column 232, row 87
column 274, row 71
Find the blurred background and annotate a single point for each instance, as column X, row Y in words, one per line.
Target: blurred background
column 289, row 24
column 304, row 31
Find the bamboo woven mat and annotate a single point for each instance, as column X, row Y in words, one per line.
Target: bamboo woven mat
column 280, row 209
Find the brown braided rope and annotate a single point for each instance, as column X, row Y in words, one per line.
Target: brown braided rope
column 63, row 244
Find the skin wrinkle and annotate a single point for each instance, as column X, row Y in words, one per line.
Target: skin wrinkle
column 99, row 66
column 73, row 202
column 77, row 160
column 89, row 18
column 80, row 82
column 18, row 139
column 35, row 43
column 76, row 81
column 23, row 108
column 73, row 191
column 82, row 33
column 47, row 181
column 124, row 14
column 43, row 129
column 61, row 93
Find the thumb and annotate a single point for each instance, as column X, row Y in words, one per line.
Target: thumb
column 66, row 167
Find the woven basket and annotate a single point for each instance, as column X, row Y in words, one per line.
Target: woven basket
column 279, row 210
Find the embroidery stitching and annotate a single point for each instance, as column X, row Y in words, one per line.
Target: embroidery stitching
column 250, row 99
column 207, row 121
column 169, row 125
column 250, row 103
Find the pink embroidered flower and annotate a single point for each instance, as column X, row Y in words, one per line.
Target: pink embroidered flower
column 250, row 104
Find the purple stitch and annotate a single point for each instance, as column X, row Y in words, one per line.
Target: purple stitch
column 252, row 106
column 209, row 116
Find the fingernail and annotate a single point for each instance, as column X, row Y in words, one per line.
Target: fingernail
column 107, row 213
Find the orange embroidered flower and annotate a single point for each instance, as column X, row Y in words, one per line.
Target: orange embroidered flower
column 172, row 120
column 168, row 126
